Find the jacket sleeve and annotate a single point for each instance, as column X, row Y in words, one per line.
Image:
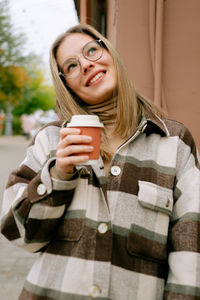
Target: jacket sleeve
column 34, row 203
column 184, row 233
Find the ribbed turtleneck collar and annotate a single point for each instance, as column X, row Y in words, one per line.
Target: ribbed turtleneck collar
column 106, row 110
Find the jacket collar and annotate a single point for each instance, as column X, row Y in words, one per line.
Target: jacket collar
column 154, row 123
column 150, row 123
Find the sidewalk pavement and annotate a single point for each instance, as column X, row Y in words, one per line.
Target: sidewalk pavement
column 13, row 140
column 14, row 262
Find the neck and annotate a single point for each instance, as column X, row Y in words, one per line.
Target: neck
column 106, row 111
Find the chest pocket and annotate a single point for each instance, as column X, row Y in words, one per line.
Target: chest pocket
column 149, row 231
column 155, row 197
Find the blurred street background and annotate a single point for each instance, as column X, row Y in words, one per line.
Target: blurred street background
column 14, row 262
column 27, row 102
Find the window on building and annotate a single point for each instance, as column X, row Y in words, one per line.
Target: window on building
column 95, row 11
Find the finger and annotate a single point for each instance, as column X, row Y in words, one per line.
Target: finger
column 74, row 139
column 66, row 131
column 74, row 150
column 64, row 163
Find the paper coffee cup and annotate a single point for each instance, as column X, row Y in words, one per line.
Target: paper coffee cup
column 89, row 125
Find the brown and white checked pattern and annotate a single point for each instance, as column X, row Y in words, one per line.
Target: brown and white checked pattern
column 148, row 244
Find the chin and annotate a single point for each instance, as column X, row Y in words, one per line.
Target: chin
column 99, row 97
column 95, row 101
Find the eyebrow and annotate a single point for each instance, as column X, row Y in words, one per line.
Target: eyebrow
column 67, row 60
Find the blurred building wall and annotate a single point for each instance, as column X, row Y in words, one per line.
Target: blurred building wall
column 159, row 43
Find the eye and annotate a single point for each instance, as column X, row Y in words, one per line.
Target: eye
column 70, row 67
column 91, row 51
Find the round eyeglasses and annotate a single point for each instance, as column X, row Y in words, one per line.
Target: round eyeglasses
column 91, row 51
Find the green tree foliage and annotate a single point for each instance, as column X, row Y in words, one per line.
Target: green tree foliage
column 36, row 95
column 12, row 82
column 13, row 76
column 22, row 85
column 10, row 44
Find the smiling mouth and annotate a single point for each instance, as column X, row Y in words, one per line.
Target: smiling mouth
column 95, row 78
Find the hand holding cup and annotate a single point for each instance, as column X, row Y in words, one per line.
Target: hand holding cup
column 79, row 142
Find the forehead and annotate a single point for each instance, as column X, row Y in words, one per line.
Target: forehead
column 72, row 46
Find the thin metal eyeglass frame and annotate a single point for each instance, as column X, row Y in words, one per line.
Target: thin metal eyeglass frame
column 99, row 41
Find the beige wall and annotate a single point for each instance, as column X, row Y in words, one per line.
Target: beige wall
column 181, row 65
column 159, row 41
column 160, row 44
column 132, row 41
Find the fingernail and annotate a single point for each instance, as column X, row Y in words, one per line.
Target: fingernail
column 76, row 130
column 85, row 157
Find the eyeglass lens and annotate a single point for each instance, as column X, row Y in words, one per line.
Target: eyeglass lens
column 91, row 51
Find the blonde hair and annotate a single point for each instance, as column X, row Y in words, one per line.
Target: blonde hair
column 127, row 98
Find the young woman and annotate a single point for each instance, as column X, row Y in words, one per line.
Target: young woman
column 125, row 226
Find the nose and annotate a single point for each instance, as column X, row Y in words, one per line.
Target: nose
column 87, row 68
column 86, row 65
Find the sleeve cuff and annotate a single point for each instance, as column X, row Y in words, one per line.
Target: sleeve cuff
column 61, row 185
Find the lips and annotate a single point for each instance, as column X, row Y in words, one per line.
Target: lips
column 94, row 77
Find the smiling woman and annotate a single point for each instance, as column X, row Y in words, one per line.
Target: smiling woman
column 108, row 227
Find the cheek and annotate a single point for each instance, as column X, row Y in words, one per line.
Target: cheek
column 111, row 66
column 73, row 84
column 114, row 75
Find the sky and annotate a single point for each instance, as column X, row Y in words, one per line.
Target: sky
column 42, row 21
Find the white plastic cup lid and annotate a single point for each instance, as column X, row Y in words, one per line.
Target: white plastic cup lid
column 85, row 121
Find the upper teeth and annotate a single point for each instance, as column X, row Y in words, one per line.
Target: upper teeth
column 96, row 77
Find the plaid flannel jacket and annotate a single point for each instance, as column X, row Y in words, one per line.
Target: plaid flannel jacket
column 134, row 235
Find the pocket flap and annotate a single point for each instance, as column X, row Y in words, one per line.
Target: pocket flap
column 155, row 197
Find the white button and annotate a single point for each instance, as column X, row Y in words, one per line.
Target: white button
column 102, row 228
column 115, row 170
column 94, row 291
column 41, row 189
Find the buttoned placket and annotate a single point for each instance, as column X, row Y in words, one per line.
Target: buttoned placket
column 115, row 169
column 104, row 238
column 104, row 233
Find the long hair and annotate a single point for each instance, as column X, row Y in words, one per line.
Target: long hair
column 127, row 98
